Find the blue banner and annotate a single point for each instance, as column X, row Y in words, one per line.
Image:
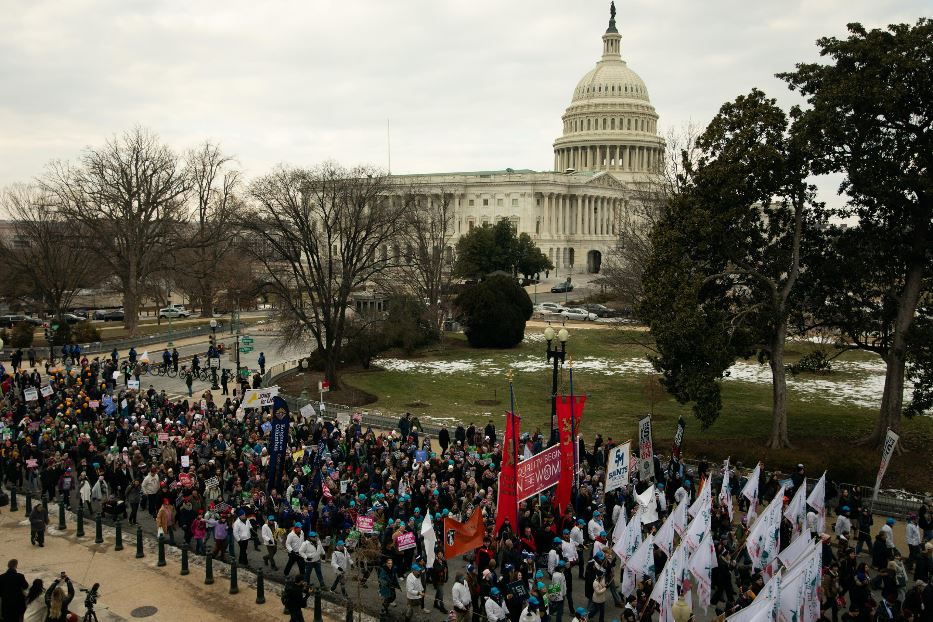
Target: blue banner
column 278, row 442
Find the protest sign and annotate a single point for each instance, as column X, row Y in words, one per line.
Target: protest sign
column 646, row 446
column 421, row 455
column 306, row 411
column 94, row 404
column 185, row 462
column 617, row 470
column 212, row 481
column 539, row 472
column 266, row 427
column 257, row 398
column 163, row 437
column 405, row 541
column 518, row 589
column 133, row 385
column 364, row 524
column 32, row 463
column 890, row 442
column 31, row 394
column 46, row 390
column 343, row 418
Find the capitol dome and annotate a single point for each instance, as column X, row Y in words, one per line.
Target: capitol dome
column 610, row 124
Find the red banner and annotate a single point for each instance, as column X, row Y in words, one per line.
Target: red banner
column 507, row 504
column 567, row 427
column 460, row 538
column 538, row 472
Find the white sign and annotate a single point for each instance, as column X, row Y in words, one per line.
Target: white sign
column 214, row 362
column 307, row 411
column 46, row 390
column 890, row 442
column 185, row 462
column 646, row 449
column 133, row 384
column 257, row 398
column 31, row 394
column 617, row 470
column 343, row 418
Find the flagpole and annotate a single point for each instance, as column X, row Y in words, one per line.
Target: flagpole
column 573, row 434
column 514, row 444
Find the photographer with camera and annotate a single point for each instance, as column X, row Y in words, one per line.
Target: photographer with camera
column 295, row 598
column 57, row 601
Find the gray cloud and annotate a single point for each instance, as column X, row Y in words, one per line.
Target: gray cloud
column 467, row 85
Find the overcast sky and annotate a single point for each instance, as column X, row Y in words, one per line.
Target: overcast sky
column 468, row 85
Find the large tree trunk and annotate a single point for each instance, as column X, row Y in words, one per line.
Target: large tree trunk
column 779, row 438
column 131, row 299
column 892, row 399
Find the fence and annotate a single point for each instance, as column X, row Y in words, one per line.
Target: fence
column 99, row 347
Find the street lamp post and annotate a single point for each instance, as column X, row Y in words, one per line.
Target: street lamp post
column 211, row 360
column 557, row 357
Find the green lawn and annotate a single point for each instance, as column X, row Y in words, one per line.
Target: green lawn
column 822, row 430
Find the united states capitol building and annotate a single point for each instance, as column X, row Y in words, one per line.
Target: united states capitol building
column 609, row 145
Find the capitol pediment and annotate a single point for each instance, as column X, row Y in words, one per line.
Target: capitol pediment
column 605, row 180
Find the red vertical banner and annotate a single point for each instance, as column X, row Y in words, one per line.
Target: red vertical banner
column 568, row 443
column 507, row 504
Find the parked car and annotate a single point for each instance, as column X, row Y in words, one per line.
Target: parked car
column 73, row 318
column 576, row 313
column 8, row 321
column 560, row 288
column 174, row 311
column 549, row 307
column 109, row 315
column 601, row 310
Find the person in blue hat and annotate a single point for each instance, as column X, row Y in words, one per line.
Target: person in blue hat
column 495, row 608
column 580, row 615
column 312, row 552
column 267, row 534
column 414, row 592
column 341, row 562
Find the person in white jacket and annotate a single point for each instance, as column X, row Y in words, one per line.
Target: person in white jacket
column 241, row 534
column 312, row 552
column 463, row 602
column 267, row 533
column 340, row 561
column 414, row 591
column 84, row 492
column 293, row 542
column 495, row 610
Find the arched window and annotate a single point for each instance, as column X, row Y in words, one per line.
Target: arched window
column 612, row 123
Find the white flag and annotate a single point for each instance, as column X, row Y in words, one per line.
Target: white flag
column 664, row 538
column 725, row 493
column 430, row 540
column 817, row 501
column 665, row 593
column 704, row 500
column 630, row 539
column 649, row 504
column 750, row 492
column 699, row 527
column 761, row 609
column 619, row 527
column 764, row 539
column 890, row 442
column 796, row 511
column 798, row 600
column 680, row 562
column 642, row 561
column 679, row 519
column 701, row 567
column 795, row 550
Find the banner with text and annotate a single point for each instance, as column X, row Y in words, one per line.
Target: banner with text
column 890, row 442
column 646, row 449
column 539, row 472
column 617, row 470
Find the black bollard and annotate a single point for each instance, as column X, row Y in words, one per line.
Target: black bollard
column 260, row 588
column 118, row 545
column 317, row 606
column 14, row 506
column 209, row 570
column 161, row 561
column 28, row 502
column 184, row 559
column 139, row 543
column 79, row 530
column 349, row 617
column 234, row 588
column 98, row 530
column 61, row 513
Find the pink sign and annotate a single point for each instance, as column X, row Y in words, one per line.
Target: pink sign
column 539, row 472
column 405, row 541
column 32, row 463
column 163, row 437
column 364, row 524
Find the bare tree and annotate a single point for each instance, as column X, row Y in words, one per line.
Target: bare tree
column 216, row 207
column 319, row 235
column 129, row 198
column 426, row 270
column 44, row 259
column 624, row 266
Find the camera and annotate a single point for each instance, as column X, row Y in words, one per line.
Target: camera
column 91, row 599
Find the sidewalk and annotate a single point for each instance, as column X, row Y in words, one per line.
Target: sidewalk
column 133, row 588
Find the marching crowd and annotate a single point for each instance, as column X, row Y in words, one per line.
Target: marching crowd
column 350, row 514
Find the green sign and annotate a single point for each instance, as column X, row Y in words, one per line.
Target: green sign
column 244, row 372
column 54, row 326
column 246, row 339
column 246, row 349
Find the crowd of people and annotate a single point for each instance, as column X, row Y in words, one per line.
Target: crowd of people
column 200, row 470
